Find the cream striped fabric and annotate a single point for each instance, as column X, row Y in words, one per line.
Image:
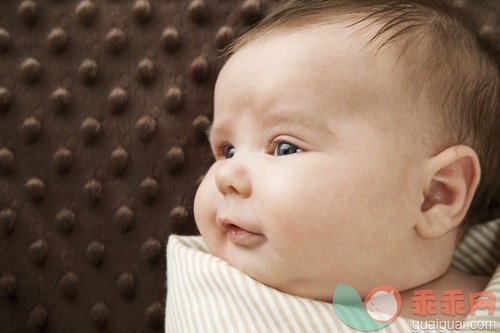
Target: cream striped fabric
column 205, row 294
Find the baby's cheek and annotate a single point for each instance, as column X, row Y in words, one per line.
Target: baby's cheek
column 289, row 221
column 306, row 227
column 206, row 203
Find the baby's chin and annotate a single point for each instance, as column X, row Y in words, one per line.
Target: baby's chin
column 283, row 282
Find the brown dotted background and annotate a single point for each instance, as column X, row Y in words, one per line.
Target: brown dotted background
column 103, row 109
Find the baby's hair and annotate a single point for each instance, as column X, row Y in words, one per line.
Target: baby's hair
column 443, row 51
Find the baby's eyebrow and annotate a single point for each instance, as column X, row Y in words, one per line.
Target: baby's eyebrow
column 297, row 117
column 218, row 129
column 272, row 119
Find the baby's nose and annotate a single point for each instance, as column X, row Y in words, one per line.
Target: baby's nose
column 232, row 177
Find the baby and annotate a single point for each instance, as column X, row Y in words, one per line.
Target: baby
column 349, row 139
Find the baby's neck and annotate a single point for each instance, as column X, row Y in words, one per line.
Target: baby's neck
column 451, row 280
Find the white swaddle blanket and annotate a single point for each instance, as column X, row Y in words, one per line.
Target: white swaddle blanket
column 206, row 294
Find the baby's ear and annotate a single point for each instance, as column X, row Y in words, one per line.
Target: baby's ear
column 451, row 180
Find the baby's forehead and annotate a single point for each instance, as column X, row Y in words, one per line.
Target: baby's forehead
column 314, row 60
column 346, row 45
column 341, row 33
column 354, row 26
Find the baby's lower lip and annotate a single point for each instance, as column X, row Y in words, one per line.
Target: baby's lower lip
column 243, row 237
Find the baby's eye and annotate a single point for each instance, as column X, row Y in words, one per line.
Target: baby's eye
column 228, row 151
column 284, row 148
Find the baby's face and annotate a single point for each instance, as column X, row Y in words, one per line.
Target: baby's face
column 315, row 181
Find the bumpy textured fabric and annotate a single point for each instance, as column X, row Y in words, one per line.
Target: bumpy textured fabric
column 206, row 294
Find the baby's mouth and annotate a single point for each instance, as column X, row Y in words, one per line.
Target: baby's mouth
column 243, row 237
